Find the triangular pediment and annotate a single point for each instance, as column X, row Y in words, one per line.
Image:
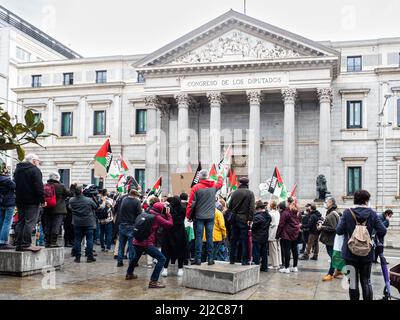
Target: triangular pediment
column 235, row 37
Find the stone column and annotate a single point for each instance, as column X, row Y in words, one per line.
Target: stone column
column 289, row 138
column 183, row 101
column 254, row 156
column 116, row 110
column 151, row 102
column 51, row 117
column 83, row 133
column 215, row 100
column 325, row 101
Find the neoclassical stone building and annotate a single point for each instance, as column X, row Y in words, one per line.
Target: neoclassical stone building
column 279, row 99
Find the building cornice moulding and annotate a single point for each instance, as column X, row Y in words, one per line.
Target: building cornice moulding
column 354, row 159
column 108, row 85
column 354, row 91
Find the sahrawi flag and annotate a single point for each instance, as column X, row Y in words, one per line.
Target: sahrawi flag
column 223, row 165
column 196, row 175
column 114, row 171
column 102, row 160
column 277, row 187
column 156, row 190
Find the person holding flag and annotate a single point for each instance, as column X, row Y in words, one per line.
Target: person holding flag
column 242, row 205
column 201, row 209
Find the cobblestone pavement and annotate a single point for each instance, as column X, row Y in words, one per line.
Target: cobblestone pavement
column 103, row 280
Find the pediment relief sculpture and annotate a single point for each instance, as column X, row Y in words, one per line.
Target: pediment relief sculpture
column 235, row 45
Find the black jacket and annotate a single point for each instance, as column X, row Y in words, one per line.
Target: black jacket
column 61, row 194
column 260, row 228
column 129, row 210
column 29, row 185
column 242, row 204
column 315, row 216
column 83, row 211
column 7, row 192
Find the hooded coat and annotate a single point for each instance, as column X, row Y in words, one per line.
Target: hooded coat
column 7, row 191
column 289, row 225
column 260, row 227
column 201, row 203
column 314, row 217
column 29, row 184
column 159, row 221
column 174, row 239
column 347, row 225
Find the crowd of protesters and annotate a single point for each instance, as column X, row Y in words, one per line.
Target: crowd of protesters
column 185, row 229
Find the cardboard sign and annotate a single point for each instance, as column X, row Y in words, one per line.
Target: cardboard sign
column 181, row 182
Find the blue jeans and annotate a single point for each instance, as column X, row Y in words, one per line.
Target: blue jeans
column 153, row 252
column 260, row 250
column 106, row 235
column 199, row 226
column 240, row 233
column 329, row 249
column 125, row 235
column 96, row 234
column 79, row 233
column 6, row 215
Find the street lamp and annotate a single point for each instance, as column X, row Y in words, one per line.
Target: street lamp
column 383, row 124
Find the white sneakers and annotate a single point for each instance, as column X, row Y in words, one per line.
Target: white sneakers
column 288, row 270
column 164, row 273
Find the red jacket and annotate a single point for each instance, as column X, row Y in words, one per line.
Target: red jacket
column 289, row 225
column 201, row 204
column 159, row 221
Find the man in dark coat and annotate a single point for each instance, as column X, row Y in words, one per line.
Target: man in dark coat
column 242, row 205
column 7, row 205
column 313, row 234
column 260, row 232
column 29, row 196
column 53, row 217
column 84, row 221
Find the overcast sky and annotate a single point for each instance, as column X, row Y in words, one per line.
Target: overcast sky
column 104, row 27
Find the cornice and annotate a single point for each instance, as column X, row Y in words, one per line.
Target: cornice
column 117, row 84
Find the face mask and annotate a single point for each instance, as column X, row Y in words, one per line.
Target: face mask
column 325, row 206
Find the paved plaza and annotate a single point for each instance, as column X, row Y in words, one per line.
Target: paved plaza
column 103, row 280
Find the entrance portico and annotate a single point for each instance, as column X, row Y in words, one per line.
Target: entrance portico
column 242, row 65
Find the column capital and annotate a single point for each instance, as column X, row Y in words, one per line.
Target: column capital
column 325, row 95
column 164, row 108
column 215, row 98
column 289, row 95
column 182, row 99
column 254, row 96
column 152, row 102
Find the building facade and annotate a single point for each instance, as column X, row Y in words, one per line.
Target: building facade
column 279, row 99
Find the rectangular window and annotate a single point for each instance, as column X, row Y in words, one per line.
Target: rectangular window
column 23, row 55
column 97, row 181
column 64, row 176
column 68, row 79
column 141, row 119
column 354, row 64
column 36, row 81
column 66, row 124
column 99, row 127
column 354, row 114
column 398, row 112
column 37, row 116
column 101, row 76
column 353, row 180
column 140, row 177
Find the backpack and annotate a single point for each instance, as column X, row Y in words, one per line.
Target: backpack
column 102, row 213
column 360, row 243
column 50, row 195
column 143, row 226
